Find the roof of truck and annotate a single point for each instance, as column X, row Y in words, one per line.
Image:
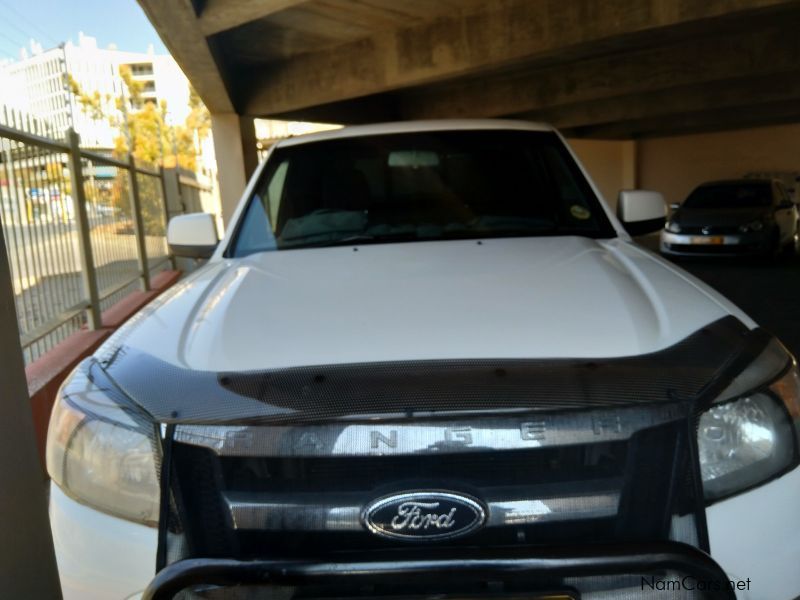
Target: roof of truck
column 413, row 126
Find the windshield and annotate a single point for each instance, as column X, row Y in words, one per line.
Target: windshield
column 730, row 195
column 419, row 186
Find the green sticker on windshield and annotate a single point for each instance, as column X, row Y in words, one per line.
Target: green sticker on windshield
column 580, row 212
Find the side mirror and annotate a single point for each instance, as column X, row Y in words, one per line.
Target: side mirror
column 192, row 236
column 641, row 211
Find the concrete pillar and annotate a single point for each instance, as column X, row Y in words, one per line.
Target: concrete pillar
column 247, row 127
column 237, row 157
column 27, row 560
column 630, row 164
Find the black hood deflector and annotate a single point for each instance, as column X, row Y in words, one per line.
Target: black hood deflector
column 171, row 394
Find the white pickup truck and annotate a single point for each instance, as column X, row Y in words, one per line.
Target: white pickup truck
column 427, row 360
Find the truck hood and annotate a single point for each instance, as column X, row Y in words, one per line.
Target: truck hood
column 560, row 297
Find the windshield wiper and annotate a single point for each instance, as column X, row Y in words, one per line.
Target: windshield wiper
column 453, row 234
column 354, row 240
column 362, row 237
column 489, row 232
column 366, row 238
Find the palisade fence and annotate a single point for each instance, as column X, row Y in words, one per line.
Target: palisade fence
column 82, row 229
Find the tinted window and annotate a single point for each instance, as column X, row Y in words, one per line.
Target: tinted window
column 419, row 186
column 731, row 195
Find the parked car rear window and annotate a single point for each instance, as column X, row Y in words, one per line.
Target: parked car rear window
column 730, row 195
column 419, row 186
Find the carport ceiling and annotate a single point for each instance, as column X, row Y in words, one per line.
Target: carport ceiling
column 595, row 68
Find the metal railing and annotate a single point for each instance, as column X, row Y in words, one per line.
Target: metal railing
column 82, row 229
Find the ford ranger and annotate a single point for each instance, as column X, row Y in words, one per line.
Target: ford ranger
column 428, row 360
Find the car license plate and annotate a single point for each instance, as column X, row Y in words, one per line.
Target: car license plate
column 713, row 240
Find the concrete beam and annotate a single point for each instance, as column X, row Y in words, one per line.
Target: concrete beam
column 693, row 62
column 735, row 93
column 175, row 22
column 27, row 559
column 772, row 113
column 372, row 109
column 221, row 15
column 506, row 33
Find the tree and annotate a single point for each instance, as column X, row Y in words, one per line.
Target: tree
column 91, row 104
column 134, row 88
column 146, row 133
column 199, row 119
column 144, row 128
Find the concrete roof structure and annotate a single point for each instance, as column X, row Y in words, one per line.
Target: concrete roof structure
column 594, row 68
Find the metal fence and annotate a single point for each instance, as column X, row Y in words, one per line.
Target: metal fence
column 82, row 229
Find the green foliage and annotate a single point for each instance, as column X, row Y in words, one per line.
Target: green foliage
column 199, row 119
column 135, row 88
column 147, row 135
column 145, row 131
column 91, row 104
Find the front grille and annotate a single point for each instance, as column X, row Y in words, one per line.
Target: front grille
column 720, row 249
column 624, row 482
column 364, row 474
column 710, row 229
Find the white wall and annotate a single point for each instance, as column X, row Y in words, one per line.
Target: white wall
column 611, row 165
column 674, row 166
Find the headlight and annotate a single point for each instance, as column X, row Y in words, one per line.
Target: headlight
column 749, row 436
column 754, row 226
column 673, row 227
column 101, row 450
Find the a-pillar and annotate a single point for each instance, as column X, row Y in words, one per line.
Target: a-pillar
column 630, row 164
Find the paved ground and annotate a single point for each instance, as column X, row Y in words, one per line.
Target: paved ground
column 768, row 291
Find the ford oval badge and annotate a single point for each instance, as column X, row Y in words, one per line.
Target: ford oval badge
column 423, row 516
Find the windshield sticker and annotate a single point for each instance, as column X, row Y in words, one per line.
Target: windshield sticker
column 580, row 212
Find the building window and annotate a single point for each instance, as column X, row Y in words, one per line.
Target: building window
column 142, row 69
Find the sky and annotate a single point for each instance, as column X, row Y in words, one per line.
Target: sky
column 51, row 22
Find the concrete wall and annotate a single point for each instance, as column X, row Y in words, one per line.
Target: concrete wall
column 674, row 166
column 611, row 164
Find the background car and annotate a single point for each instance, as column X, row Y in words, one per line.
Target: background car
column 735, row 217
